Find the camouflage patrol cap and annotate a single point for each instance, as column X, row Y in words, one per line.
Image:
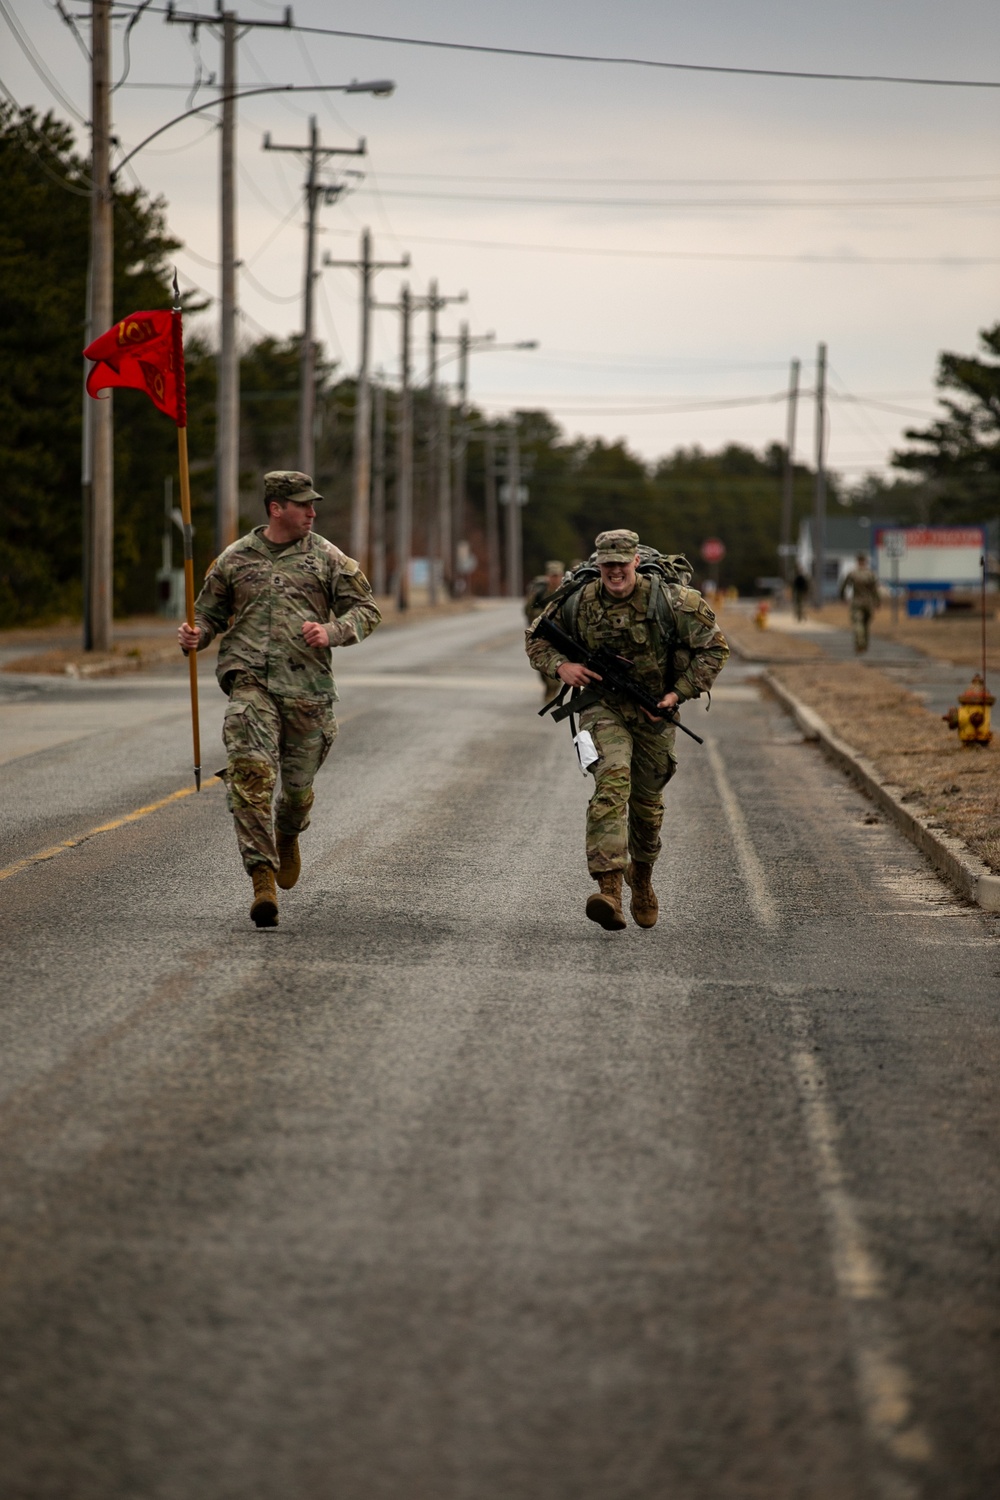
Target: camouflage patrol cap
column 289, row 484
column 554, row 567
column 616, row 546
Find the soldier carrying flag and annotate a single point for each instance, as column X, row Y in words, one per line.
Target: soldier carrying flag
column 281, row 597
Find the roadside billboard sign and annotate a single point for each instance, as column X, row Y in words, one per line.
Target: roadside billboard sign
column 930, row 557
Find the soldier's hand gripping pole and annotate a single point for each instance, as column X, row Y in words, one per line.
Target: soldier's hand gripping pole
column 185, row 478
column 615, row 672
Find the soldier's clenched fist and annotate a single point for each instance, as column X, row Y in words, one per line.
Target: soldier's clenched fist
column 315, row 634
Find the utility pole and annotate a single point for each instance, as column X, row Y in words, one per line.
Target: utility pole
column 406, row 307
column 404, row 447
column 460, row 501
column 492, row 526
column 362, row 399
column 819, row 513
column 378, row 494
column 467, row 344
column 227, row 477
column 316, row 156
column 440, row 459
column 515, row 580
column 788, row 477
column 227, row 435
column 100, row 555
column 404, row 476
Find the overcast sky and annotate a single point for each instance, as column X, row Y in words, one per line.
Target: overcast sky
column 687, row 265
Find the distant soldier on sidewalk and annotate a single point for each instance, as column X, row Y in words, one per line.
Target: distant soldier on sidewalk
column 800, row 593
column 862, row 585
column 280, row 597
column 540, row 591
column 676, row 650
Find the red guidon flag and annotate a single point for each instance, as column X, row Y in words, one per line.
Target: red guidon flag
column 145, row 352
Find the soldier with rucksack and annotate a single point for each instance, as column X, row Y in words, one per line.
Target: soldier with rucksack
column 540, row 590
column 637, row 603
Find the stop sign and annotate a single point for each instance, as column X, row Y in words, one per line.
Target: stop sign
column 713, row 550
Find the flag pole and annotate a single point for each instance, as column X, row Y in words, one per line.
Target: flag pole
column 185, row 478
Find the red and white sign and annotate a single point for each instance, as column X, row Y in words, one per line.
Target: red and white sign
column 713, row 551
column 945, row 556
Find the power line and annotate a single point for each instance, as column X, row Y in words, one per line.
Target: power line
column 272, row 236
column 565, row 181
column 548, row 201
column 271, row 296
column 27, row 47
column 723, row 255
column 640, row 62
column 681, row 409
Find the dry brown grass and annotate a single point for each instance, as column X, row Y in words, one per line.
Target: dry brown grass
column 912, row 748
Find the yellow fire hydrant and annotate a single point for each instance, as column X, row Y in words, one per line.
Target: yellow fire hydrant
column 972, row 716
column 763, row 616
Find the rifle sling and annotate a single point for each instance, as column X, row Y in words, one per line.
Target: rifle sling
column 582, row 698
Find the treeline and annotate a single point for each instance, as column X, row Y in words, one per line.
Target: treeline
column 577, row 487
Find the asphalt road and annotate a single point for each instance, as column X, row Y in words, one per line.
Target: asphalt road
column 440, row 1192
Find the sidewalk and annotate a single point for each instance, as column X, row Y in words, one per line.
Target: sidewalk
column 933, row 659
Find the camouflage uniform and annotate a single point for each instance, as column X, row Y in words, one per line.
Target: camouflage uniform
column 538, row 594
column 865, row 600
column 637, row 758
column 281, row 690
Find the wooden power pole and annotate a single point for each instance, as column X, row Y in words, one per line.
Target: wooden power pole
column 788, row 476
column 227, row 506
column 361, row 499
column 515, row 566
column 227, row 436
column 819, row 508
column 316, row 157
column 100, row 549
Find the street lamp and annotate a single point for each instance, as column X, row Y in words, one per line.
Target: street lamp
column 381, row 88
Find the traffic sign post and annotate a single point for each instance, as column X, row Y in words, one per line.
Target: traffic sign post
column 712, row 552
column 894, row 543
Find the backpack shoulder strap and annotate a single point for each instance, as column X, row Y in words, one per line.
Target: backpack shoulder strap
column 571, row 608
column 566, row 599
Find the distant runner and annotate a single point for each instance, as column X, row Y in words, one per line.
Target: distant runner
column 862, row 585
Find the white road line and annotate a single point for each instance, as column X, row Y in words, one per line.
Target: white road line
column 753, row 871
column 882, row 1381
column 461, row 682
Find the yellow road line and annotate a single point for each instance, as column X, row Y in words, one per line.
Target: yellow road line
column 132, row 817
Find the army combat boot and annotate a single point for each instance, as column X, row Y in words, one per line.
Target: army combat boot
column 605, row 905
column 291, row 865
column 264, row 910
column 645, row 907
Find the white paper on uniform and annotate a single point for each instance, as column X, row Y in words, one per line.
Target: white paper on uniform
column 586, row 750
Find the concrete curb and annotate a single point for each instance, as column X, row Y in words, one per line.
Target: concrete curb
column 949, row 855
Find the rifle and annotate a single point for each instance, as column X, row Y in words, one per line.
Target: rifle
column 616, row 676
